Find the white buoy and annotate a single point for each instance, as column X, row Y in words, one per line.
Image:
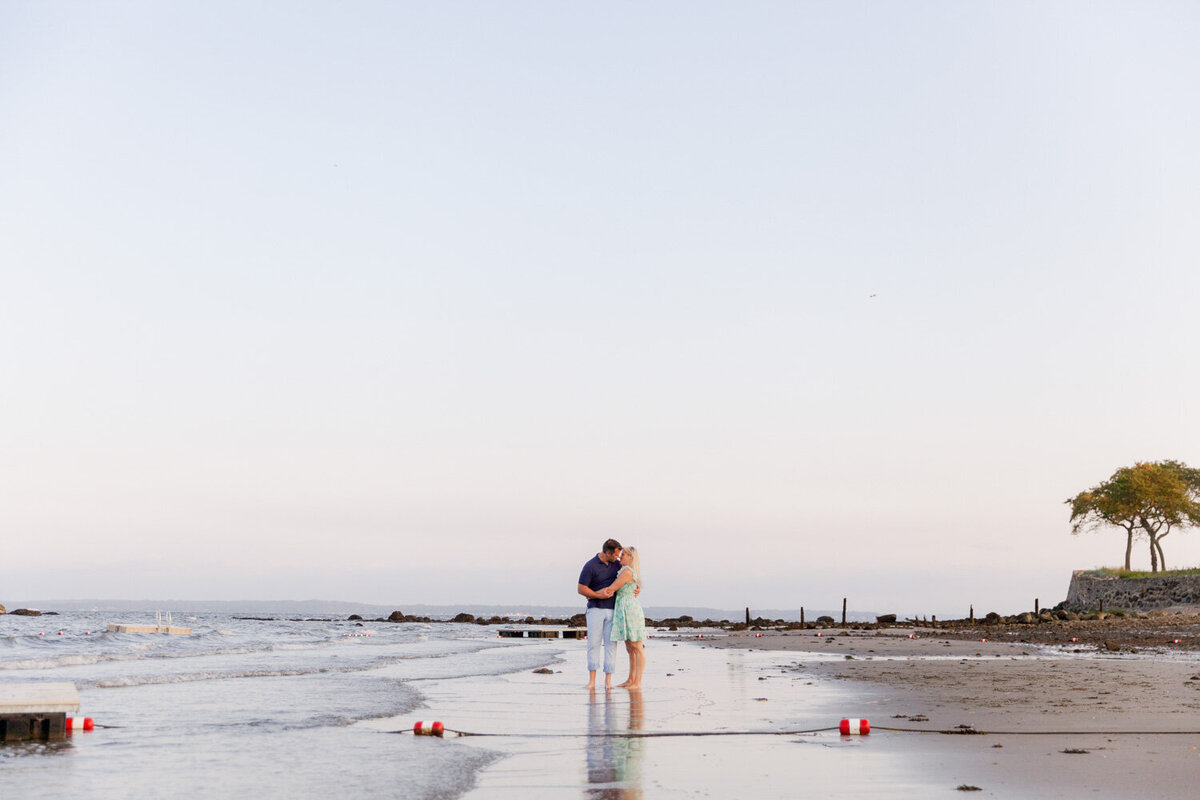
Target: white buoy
column 429, row 729
column 76, row 724
column 855, row 727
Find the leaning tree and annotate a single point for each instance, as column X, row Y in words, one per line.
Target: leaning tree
column 1151, row 498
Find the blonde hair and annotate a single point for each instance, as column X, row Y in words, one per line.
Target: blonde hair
column 635, row 561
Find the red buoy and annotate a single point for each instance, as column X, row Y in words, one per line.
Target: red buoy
column 429, row 729
column 79, row 724
column 1074, row 638
column 855, row 727
column 983, row 640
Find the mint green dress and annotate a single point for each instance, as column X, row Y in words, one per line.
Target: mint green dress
column 629, row 621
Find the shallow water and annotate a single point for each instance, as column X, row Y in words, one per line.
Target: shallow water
column 557, row 737
column 245, row 706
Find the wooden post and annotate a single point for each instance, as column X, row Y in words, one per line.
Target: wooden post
column 1036, row 609
column 843, row 612
column 972, row 613
column 747, row 615
column 1101, row 606
column 934, row 619
column 801, row 615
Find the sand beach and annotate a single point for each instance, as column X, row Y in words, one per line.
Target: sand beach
column 1094, row 694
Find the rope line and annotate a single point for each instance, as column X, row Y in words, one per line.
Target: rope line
column 974, row 732
column 963, row 731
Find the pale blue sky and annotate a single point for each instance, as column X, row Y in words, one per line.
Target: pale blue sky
column 419, row 303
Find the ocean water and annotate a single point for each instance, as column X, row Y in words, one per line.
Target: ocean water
column 280, row 708
column 275, row 708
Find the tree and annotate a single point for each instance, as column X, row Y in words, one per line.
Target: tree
column 1110, row 504
column 1153, row 498
column 1170, row 492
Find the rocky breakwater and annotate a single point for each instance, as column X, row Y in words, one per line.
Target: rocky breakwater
column 1091, row 591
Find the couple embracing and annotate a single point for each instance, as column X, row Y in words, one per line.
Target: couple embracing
column 611, row 582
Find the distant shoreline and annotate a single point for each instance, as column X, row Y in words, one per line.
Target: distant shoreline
column 310, row 608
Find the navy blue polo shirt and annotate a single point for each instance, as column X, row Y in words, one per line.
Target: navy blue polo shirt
column 597, row 575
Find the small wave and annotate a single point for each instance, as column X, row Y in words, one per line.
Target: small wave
column 133, row 653
column 207, row 675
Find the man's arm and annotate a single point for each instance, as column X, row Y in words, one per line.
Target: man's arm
column 588, row 593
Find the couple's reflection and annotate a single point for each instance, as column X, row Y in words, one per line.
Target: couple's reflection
column 614, row 763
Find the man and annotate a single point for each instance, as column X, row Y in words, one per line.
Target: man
column 597, row 574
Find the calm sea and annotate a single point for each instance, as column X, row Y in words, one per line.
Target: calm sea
column 275, row 708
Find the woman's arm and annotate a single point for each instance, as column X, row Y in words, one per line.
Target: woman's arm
column 623, row 577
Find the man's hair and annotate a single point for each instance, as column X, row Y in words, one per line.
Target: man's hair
column 612, row 546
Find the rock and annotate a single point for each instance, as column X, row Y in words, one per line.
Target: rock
column 1026, row 618
column 396, row 616
column 353, row 617
column 886, row 619
column 543, row 671
column 1113, row 646
column 993, row 618
column 27, row 612
column 1, row 609
column 463, row 617
column 825, row 620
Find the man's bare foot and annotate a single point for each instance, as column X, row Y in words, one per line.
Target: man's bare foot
column 624, row 685
column 632, row 686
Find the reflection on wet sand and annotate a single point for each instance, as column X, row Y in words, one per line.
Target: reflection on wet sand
column 614, row 764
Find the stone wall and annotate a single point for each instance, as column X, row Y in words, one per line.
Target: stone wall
column 1091, row 592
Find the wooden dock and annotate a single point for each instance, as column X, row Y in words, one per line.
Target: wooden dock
column 36, row 711
column 544, row 633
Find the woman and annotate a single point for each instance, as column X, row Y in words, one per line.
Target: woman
column 629, row 622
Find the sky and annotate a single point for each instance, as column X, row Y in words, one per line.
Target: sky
column 421, row 302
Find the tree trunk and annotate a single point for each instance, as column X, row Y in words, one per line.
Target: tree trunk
column 1162, row 559
column 1153, row 553
column 1128, row 548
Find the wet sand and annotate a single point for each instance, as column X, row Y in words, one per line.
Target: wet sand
column 557, row 739
column 936, row 683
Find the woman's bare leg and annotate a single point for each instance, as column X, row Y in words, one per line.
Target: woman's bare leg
column 632, row 665
column 638, row 653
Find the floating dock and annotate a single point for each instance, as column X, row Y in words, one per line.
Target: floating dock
column 544, row 633
column 162, row 624
column 149, row 629
column 36, row 711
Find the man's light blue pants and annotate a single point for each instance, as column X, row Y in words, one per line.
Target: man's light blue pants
column 600, row 646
